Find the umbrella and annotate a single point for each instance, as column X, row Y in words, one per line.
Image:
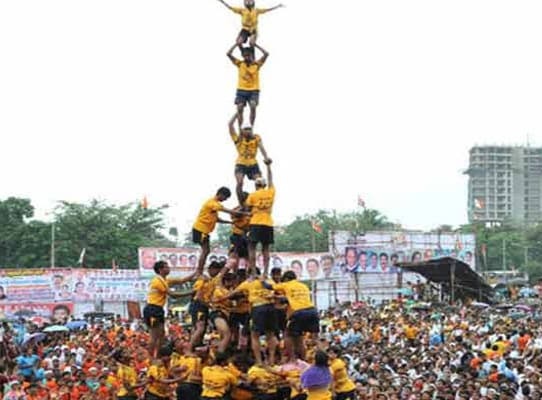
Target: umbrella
column 523, row 307
column 56, row 328
column 421, row 306
column 36, row 337
column 74, row 325
column 504, row 306
column 478, row 304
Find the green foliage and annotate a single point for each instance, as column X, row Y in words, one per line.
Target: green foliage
column 299, row 236
column 107, row 232
column 509, row 247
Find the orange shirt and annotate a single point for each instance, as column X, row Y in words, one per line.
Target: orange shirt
column 103, row 393
column 522, row 342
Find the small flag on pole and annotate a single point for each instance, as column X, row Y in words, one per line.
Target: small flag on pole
column 479, row 204
column 81, row 260
column 114, row 265
column 144, row 203
column 361, row 202
column 316, row 226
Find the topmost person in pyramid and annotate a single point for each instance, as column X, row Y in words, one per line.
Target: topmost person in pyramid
column 249, row 19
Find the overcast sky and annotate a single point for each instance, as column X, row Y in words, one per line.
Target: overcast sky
column 119, row 99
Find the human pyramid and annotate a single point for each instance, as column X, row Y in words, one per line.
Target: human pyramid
column 229, row 300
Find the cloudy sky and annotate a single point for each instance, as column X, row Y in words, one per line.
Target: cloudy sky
column 119, row 99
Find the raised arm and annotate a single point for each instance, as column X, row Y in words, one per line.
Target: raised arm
column 262, row 150
column 231, row 126
column 230, row 55
column 265, row 53
column 180, row 281
column 227, row 5
column 272, row 8
column 269, row 174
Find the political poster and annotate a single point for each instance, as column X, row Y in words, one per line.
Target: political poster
column 379, row 252
column 56, row 312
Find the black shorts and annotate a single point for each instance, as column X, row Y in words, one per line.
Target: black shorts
column 250, row 171
column 245, row 34
column 263, row 319
column 244, row 97
column 150, row 396
column 134, row 397
column 237, row 319
column 281, row 319
column 239, row 245
column 153, row 315
column 346, row 395
column 188, row 391
column 266, row 396
column 200, row 237
column 199, row 311
column 261, row 234
column 301, row 321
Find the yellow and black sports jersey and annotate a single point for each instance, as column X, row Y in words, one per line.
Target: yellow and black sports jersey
column 297, row 294
column 258, row 295
column 261, row 203
column 247, row 149
column 240, row 224
column 158, row 290
column 249, row 17
column 208, row 216
column 217, row 381
column 204, row 288
column 248, row 76
column 222, row 306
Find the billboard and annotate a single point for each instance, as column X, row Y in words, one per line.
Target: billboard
column 183, row 261
column 378, row 252
column 57, row 312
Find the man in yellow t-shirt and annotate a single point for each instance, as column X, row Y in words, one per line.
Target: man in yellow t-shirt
column 159, row 383
column 206, row 222
column 343, row 387
column 248, row 86
column 302, row 315
column 261, row 223
column 217, row 379
column 153, row 312
column 249, row 20
column 247, row 145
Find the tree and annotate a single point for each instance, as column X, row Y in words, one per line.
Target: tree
column 17, row 237
column 107, row 232
column 299, row 235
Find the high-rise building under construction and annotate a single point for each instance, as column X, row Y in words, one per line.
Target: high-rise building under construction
column 505, row 184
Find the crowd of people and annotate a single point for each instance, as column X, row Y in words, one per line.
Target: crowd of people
column 361, row 351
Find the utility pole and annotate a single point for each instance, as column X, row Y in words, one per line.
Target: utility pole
column 504, row 254
column 53, row 244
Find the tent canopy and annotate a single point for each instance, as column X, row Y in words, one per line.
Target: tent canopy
column 456, row 277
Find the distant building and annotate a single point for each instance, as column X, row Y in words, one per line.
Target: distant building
column 505, row 184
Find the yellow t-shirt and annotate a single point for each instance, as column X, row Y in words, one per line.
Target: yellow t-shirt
column 248, row 75
column 128, row 374
column 224, row 306
column 297, row 294
column 208, row 216
column 247, row 149
column 258, row 295
column 193, row 367
column 319, row 394
column 264, row 380
column 158, row 290
column 204, row 288
column 154, row 373
column 217, row 381
column 341, row 382
column 249, row 18
column 261, row 202
column 411, row 332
